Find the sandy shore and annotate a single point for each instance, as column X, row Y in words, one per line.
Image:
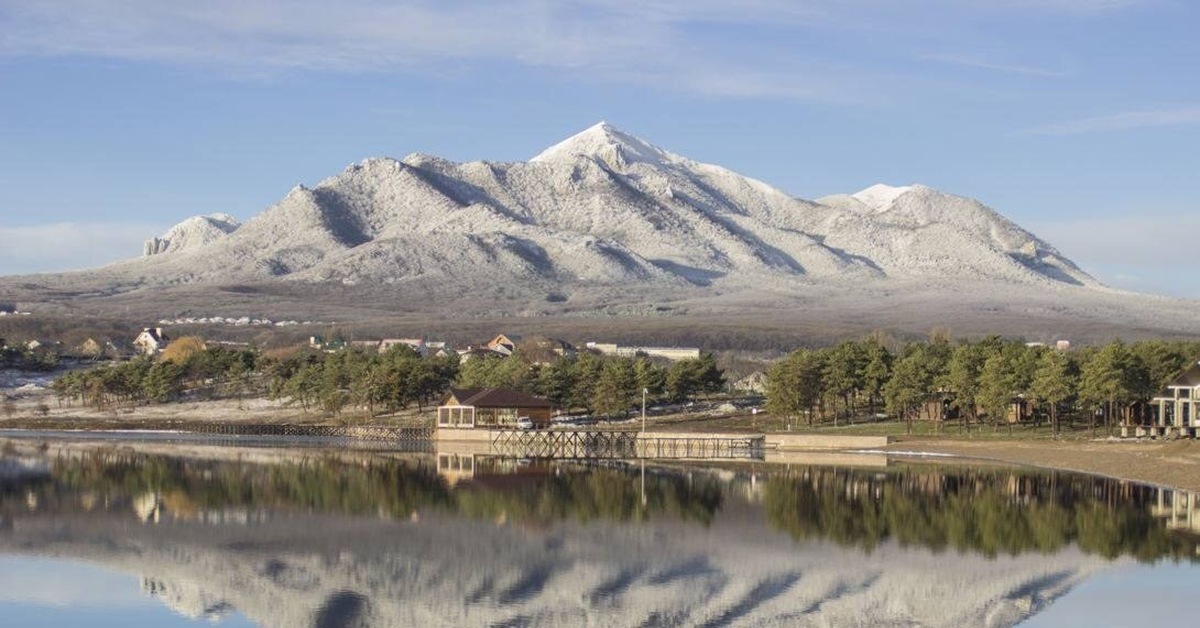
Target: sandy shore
column 1165, row 463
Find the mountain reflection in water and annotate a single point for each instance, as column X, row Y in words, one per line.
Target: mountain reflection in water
column 376, row 539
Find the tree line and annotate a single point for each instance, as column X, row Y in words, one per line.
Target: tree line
column 597, row 384
column 992, row 512
column 329, row 485
column 974, row 382
column 387, row 382
column 24, row 359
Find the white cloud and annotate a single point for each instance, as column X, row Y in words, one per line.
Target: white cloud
column 1125, row 121
column 69, row 245
column 634, row 42
column 622, row 40
column 310, row 34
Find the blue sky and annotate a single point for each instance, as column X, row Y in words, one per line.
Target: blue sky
column 1078, row 119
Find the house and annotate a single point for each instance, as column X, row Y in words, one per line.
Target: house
column 1179, row 403
column 416, row 344
column 99, row 348
column 102, row 349
column 492, row 407
column 328, row 346
column 544, row 350
column 471, row 354
column 504, row 344
column 669, row 353
column 440, row 348
column 151, row 340
column 43, row 344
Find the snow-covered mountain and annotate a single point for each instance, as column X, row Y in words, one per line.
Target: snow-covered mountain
column 193, row 232
column 314, row 570
column 607, row 222
column 600, row 208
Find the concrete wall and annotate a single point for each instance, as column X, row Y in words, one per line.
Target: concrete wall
column 463, row 435
column 825, row 458
column 825, row 441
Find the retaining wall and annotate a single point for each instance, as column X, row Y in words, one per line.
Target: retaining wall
column 824, row 441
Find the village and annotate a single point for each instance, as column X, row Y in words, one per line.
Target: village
column 1147, row 389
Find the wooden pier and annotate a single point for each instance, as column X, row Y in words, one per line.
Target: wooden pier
column 624, row 445
column 375, row 433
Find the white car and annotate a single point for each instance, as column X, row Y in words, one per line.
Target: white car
column 524, row 423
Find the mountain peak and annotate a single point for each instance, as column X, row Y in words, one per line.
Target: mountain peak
column 881, row 196
column 606, row 143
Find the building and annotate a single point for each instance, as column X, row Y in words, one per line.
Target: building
column 470, row 353
column 669, row 353
column 1179, row 403
column 440, row 348
column 101, row 349
column 544, row 350
column 41, row 344
column 504, row 344
column 151, row 340
column 492, row 407
column 416, row 344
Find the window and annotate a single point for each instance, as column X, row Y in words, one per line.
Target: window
column 456, row 416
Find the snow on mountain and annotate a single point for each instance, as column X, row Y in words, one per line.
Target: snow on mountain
column 600, row 208
column 600, row 220
column 879, row 196
column 192, row 232
column 607, row 143
column 439, row 571
column 918, row 231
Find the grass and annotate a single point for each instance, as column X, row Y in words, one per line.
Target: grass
column 898, row 429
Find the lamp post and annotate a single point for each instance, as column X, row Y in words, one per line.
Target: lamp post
column 644, row 392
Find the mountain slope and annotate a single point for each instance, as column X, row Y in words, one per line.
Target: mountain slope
column 606, row 223
column 606, row 208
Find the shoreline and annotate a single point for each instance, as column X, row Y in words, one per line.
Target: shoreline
column 1169, row 464
column 1165, row 463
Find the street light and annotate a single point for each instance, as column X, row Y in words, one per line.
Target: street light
column 645, row 391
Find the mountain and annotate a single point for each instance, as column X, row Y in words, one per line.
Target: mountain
column 286, row 570
column 601, row 218
column 603, row 207
column 193, row 232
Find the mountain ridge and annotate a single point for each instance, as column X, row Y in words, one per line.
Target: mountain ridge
column 606, row 222
column 632, row 211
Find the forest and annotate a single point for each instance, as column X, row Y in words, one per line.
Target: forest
column 964, row 383
column 975, row 382
column 371, row 383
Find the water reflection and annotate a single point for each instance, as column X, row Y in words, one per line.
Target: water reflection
column 378, row 539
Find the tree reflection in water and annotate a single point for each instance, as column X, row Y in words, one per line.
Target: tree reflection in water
column 998, row 511
column 986, row 511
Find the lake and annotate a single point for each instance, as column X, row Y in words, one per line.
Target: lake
column 189, row 534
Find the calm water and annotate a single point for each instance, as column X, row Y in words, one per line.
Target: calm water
column 158, row 536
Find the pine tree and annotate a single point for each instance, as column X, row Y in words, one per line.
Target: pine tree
column 1053, row 384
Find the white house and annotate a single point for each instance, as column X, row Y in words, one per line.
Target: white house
column 1179, row 404
column 151, row 340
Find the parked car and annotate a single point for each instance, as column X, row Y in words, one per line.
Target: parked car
column 524, row 423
